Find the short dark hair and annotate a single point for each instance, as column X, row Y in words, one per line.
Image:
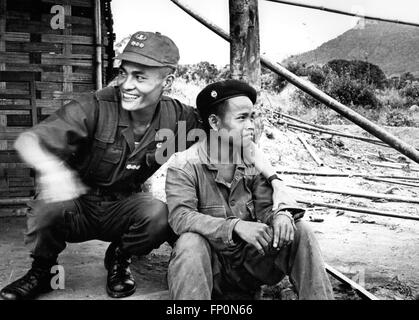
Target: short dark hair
column 218, row 109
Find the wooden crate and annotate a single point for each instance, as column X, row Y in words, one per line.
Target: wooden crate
column 41, row 69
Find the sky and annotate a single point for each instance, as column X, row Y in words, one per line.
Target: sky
column 284, row 29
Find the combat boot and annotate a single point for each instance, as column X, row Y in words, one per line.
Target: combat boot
column 120, row 282
column 35, row 282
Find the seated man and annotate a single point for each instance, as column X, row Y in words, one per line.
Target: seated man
column 230, row 238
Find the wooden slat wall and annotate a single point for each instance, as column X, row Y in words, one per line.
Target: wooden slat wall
column 63, row 66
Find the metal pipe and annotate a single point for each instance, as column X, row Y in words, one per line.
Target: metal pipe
column 98, row 33
column 310, row 6
column 308, row 87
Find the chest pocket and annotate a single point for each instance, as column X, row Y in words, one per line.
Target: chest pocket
column 107, row 165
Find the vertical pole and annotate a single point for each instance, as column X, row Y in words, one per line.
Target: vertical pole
column 245, row 43
column 98, row 25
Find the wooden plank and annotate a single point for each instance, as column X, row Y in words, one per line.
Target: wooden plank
column 19, row 120
column 14, row 14
column 67, row 56
column 14, row 112
column 10, row 91
column 49, row 104
column 73, row 77
column 15, row 107
column 83, row 88
column 3, row 11
column 84, row 49
column 78, row 3
column 11, row 66
column 14, row 57
column 13, row 212
column 59, row 95
column 16, row 76
column 20, row 184
column 65, row 61
column 48, row 86
column 14, row 96
column 34, row 27
column 20, row 172
column 71, row 20
column 14, row 201
column 57, row 48
column 17, row 36
column 68, row 38
column 9, row 156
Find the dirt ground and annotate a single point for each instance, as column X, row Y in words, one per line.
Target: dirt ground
column 380, row 253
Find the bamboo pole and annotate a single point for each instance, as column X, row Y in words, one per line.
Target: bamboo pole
column 392, row 181
column 98, row 34
column 359, row 209
column 322, row 8
column 341, row 174
column 334, row 133
column 308, row 87
column 394, row 166
column 310, row 150
column 355, row 193
column 305, row 122
column 359, row 289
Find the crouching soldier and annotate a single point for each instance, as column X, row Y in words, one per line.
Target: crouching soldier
column 230, row 238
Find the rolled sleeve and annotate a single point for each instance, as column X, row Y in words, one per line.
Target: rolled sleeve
column 262, row 198
column 63, row 132
column 182, row 202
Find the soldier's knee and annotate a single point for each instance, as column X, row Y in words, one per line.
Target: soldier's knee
column 192, row 246
column 304, row 231
column 44, row 215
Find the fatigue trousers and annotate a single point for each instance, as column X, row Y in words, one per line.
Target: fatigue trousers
column 138, row 224
column 197, row 272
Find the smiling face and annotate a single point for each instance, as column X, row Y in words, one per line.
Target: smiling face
column 142, row 86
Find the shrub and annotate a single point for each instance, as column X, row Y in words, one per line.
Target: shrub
column 398, row 119
column 411, row 93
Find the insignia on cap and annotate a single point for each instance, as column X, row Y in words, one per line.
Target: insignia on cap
column 141, row 37
column 137, row 44
column 214, row 94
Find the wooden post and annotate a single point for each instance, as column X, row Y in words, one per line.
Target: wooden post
column 245, row 43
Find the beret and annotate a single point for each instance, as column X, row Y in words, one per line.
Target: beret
column 150, row 49
column 219, row 91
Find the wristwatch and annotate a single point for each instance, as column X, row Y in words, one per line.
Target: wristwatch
column 273, row 177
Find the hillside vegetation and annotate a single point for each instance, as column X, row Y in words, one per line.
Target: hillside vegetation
column 395, row 48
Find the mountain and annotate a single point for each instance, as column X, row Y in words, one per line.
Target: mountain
column 393, row 47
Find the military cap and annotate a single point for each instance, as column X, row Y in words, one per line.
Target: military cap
column 151, row 49
column 220, row 91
